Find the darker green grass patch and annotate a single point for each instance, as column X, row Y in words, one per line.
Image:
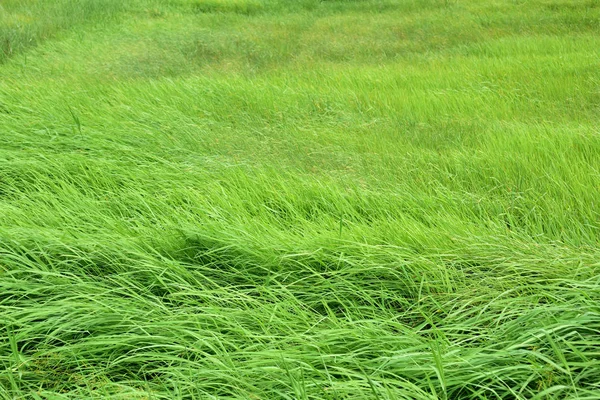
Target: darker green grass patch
column 243, row 7
column 23, row 26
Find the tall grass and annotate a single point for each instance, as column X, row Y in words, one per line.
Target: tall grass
column 299, row 200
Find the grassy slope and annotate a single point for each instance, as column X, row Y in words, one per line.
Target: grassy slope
column 337, row 199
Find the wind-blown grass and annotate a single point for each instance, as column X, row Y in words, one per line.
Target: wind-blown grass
column 300, row 200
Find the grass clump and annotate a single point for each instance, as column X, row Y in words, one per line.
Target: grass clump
column 299, row 200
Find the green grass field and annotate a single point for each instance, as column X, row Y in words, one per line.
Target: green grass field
column 309, row 199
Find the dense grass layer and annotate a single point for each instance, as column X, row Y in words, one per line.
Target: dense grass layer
column 299, row 199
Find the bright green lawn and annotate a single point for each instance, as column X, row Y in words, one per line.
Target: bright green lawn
column 279, row 199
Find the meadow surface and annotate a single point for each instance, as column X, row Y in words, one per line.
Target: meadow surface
column 277, row 199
